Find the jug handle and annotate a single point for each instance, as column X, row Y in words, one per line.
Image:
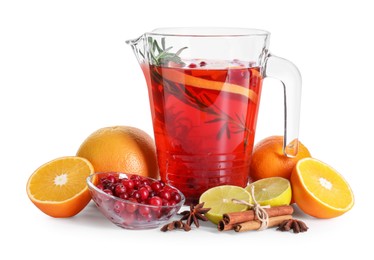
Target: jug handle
column 289, row 75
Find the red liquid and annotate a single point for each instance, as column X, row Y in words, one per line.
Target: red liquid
column 204, row 137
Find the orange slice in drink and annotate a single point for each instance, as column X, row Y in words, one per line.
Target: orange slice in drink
column 319, row 190
column 181, row 78
column 58, row 188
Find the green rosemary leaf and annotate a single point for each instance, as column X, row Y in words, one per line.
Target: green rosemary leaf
column 228, row 133
column 151, row 43
column 237, row 131
column 238, row 117
column 158, row 47
column 165, row 52
column 216, row 120
column 221, row 131
column 207, row 98
column 180, row 50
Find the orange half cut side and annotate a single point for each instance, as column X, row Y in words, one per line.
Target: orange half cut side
column 58, row 188
column 319, row 190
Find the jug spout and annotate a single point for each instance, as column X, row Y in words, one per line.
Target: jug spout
column 138, row 47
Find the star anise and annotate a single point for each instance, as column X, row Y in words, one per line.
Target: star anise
column 195, row 214
column 296, row 225
column 175, row 225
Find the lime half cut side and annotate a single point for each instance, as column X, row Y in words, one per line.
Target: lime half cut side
column 273, row 191
column 219, row 199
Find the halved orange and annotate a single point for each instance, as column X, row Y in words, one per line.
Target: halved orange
column 58, row 188
column 319, row 190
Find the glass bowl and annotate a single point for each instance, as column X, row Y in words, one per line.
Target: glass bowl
column 134, row 211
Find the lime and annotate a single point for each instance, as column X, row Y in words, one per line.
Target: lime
column 219, row 200
column 273, row 191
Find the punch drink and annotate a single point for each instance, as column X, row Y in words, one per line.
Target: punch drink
column 204, row 118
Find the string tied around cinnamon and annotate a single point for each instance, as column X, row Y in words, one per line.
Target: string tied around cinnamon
column 259, row 210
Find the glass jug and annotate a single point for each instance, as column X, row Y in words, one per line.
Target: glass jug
column 204, row 87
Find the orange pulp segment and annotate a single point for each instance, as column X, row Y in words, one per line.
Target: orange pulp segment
column 319, row 190
column 58, row 188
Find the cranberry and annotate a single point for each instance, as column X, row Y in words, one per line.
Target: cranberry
column 145, row 183
column 144, row 211
column 131, row 207
column 164, row 194
column 156, row 186
column 149, row 188
column 192, row 65
column 162, row 184
column 202, row 64
column 157, row 213
column 136, row 195
column 155, row 201
column 119, row 206
column 137, row 184
column 110, row 179
column 119, row 189
column 143, row 193
column 175, row 196
column 129, row 184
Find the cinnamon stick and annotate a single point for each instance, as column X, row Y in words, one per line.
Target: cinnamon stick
column 222, row 226
column 256, row 224
column 244, row 216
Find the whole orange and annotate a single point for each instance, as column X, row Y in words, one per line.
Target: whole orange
column 268, row 159
column 121, row 149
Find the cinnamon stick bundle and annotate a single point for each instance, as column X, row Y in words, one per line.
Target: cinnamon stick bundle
column 230, row 220
column 239, row 217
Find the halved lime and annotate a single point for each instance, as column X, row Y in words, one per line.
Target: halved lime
column 219, row 199
column 273, row 191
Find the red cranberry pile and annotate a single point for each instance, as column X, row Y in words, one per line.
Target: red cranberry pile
column 141, row 190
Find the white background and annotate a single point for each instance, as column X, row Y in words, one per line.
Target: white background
column 65, row 71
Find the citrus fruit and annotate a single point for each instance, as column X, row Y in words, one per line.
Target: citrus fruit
column 58, row 188
column 273, row 191
column 319, row 190
column 268, row 159
column 185, row 79
column 219, row 200
column 121, row 149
